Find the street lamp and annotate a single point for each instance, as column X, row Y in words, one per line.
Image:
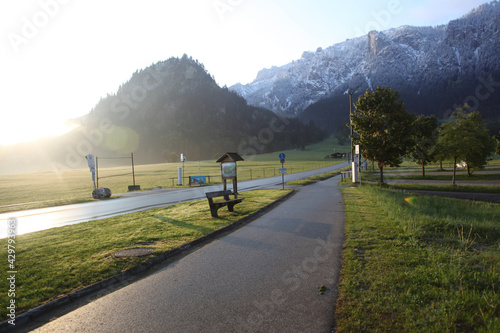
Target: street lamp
column 350, row 121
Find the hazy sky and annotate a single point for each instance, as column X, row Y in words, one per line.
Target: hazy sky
column 59, row 57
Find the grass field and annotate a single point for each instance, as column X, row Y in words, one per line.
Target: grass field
column 419, row 264
column 409, row 171
column 407, row 164
column 458, row 176
column 448, row 188
column 58, row 261
column 35, row 190
column 410, row 264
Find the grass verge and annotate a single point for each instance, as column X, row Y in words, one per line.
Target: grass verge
column 448, row 188
column 458, row 176
column 58, row 261
column 420, row 264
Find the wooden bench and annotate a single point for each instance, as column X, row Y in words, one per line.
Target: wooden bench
column 214, row 206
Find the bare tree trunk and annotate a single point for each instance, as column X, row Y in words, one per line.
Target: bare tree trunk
column 468, row 170
column 423, row 169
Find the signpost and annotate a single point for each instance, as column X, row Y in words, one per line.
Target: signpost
column 356, row 174
column 183, row 159
column 91, row 163
column 358, row 152
column 282, row 169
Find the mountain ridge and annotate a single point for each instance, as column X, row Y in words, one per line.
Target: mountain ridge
column 442, row 64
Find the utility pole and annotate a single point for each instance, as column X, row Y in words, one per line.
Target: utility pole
column 350, row 121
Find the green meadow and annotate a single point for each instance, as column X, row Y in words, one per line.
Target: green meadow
column 418, row 264
column 410, row 263
column 42, row 189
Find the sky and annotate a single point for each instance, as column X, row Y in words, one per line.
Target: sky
column 60, row 57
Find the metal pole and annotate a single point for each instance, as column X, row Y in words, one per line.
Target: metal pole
column 350, row 121
column 359, row 161
column 133, row 173
column 97, row 171
column 359, row 166
column 282, row 177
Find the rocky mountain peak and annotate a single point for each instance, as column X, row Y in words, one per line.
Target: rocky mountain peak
column 414, row 60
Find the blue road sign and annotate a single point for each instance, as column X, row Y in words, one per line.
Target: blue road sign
column 282, row 156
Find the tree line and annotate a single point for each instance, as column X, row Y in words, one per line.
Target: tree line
column 387, row 133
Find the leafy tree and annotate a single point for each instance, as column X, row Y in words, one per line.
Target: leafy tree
column 384, row 127
column 425, row 137
column 466, row 139
column 497, row 138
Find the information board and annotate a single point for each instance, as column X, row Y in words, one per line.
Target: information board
column 228, row 170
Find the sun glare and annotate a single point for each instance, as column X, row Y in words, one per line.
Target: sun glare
column 26, row 131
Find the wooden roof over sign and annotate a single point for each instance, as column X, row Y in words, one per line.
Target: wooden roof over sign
column 230, row 157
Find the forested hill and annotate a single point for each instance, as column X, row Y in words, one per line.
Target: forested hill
column 175, row 106
column 169, row 108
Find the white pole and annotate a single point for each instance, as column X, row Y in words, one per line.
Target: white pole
column 179, row 176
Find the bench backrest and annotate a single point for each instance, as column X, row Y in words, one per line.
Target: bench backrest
column 218, row 193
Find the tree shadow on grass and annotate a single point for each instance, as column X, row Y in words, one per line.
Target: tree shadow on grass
column 185, row 225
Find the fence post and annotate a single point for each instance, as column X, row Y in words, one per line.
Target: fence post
column 133, row 172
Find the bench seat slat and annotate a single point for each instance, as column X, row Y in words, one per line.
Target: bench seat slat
column 218, row 194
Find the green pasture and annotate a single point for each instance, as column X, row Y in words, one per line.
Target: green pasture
column 35, row 190
column 418, row 264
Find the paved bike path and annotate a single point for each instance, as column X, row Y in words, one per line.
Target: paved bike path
column 263, row 277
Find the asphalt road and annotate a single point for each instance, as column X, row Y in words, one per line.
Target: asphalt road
column 50, row 217
column 263, row 277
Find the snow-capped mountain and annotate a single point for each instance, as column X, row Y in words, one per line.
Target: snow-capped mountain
column 445, row 62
